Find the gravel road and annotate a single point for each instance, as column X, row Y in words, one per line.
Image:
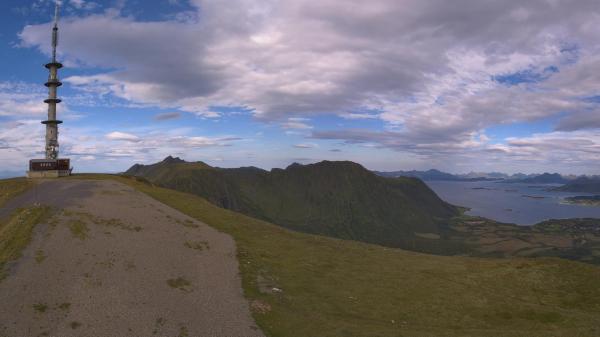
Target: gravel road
column 115, row 262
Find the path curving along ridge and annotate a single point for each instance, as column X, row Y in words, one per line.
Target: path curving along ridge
column 115, row 262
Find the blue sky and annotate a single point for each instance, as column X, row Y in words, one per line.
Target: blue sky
column 417, row 85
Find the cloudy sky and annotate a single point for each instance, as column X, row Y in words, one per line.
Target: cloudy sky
column 462, row 85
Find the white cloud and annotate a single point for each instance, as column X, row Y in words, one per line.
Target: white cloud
column 21, row 100
column 297, row 123
column 428, row 67
column 83, row 4
column 314, row 62
column 122, row 136
column 306, row 146
column 354, row 115
column 92, row 151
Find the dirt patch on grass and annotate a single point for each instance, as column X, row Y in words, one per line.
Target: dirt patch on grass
column 260, row 307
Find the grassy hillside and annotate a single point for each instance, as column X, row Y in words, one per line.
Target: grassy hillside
column 306, row 285
column 339, row 199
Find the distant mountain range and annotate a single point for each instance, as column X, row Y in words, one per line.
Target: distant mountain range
column 11, row 174
column 582, row 185
column 429, row 175
column 339, row 199
column 436, row 175
column 545, row 178
column 571, row 183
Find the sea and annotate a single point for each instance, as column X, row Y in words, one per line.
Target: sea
column 522, row 204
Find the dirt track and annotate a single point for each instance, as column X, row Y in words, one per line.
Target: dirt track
column 115, row 262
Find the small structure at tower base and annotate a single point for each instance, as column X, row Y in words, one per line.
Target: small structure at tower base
column 49, row 168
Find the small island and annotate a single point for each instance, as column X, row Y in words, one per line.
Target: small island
column 586, row 200
column 533, row 196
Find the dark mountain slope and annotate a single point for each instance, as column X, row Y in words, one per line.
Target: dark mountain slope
column 339, row 199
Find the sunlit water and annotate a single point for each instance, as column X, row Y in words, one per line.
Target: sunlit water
column 523, row 204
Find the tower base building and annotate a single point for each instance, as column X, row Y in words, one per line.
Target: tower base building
column 49, row 168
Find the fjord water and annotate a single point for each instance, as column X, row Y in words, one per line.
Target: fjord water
column 523, row 204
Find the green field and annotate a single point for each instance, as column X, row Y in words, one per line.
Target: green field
column 306, row 285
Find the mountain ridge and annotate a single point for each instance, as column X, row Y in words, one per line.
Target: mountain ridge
column 334, row 198
column 544, row 178
column 437, row 175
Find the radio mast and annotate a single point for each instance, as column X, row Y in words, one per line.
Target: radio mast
column 52, row 84
column 51, row 166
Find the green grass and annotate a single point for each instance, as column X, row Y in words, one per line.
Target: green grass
column 183, row 332
column 331, row 287
column 9, row 188
column 180, row 283
column 79, row 220
column 40, row 307
column 115, row 223
column 158, row 325
column 197, row 245
column 65, row 306
column 40, row 256
column 16, row 233
column 78, row 228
